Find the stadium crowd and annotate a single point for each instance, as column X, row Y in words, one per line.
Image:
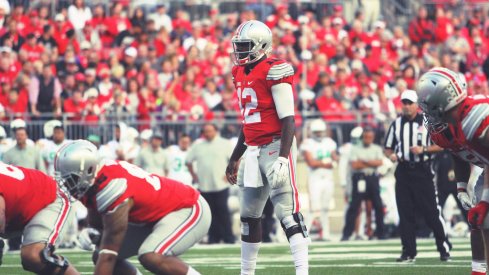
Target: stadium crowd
column 121, row 60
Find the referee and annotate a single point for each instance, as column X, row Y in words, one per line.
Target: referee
column 408, row 143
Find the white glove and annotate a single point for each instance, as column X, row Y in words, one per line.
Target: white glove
column 87, row 238
column 279, row 173
column 465, row 200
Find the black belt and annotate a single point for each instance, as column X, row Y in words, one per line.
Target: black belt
column 362, row 174
column 414, row 164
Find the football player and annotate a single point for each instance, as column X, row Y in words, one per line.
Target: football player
column 175, row 160
column 55, row 138
column 32, row 205
column 459, row 123
column 319, row 152
column 264, row 89
column 138, row 213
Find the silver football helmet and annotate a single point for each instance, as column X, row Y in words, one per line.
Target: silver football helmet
column 75, row 166
column 49, row 126
column 252, row 41
column 439, row 91
column 317, row 128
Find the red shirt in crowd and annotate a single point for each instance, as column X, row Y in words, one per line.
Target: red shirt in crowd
column 330, row 105
column 33, row 52
column 75, row 108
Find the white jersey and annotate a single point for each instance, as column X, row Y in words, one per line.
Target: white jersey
column 321, row 150
column 5, row 145
column 48, row 152
column 175, row 165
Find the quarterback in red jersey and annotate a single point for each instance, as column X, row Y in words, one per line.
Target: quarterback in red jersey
column 459, row 123
column 137, row 212
column 265, row 93
column 31, row 205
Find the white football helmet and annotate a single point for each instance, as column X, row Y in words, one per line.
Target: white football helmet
column 75, row 167
column 252, row 40
column 49, row 126
column 318, row 125
column 356, row 134
column 318, row 129
column 439, row 91
column 17, row 123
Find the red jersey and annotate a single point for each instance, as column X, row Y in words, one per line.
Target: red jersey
column 463, row 138
column 260, row 118
column 26, row 192
column 154, row 197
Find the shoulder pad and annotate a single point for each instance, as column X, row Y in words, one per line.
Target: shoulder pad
column 110, row 193
column 280, row 70
column 473, row 118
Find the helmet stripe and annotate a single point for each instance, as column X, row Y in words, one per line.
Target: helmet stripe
column 451, row 78
column 238, row 31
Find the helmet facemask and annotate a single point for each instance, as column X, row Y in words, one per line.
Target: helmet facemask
column 245, row 52
column 77, row 184
column 433, row 118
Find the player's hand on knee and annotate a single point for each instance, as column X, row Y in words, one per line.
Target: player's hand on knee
column 232, row 172
column 88, row 238
column 278, row 173
column 465, row 200
column 478, row 213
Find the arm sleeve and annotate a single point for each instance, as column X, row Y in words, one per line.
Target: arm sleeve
column 283, row 97
column 190, row 155
column 33, row 89
column 390, row 138
column 40, row 162
column 57, row 88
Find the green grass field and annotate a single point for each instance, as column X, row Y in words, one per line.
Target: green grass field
column 355, row 257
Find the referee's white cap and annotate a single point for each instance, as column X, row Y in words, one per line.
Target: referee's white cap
column 409, row 95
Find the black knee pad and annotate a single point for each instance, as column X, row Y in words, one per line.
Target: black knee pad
column 53, row 262
column 294, row 224
column 251, row 230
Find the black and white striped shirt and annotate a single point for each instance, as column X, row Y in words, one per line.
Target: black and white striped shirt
column 404, row 134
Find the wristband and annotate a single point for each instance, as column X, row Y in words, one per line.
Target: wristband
column 485, row 195
column 461, row 186
column 108, row 251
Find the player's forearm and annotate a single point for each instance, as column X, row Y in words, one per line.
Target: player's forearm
column 461, row 169
column 105, row 264
column 358, row 164
column 373, row 163
column 240, row 147
column 3, row 220
column 433, row 149
column 485, row 191
column 190, row 169
column 288, row 130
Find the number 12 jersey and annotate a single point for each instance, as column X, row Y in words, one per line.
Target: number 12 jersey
column 260, row 119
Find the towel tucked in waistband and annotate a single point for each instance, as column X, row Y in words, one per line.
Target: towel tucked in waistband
column 252, row 175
